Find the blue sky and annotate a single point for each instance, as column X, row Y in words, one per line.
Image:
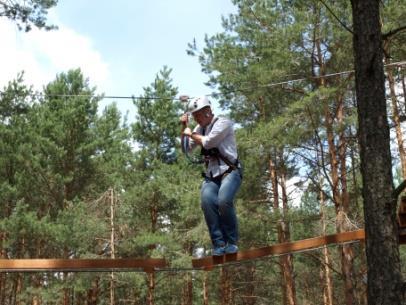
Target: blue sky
column 119, row 45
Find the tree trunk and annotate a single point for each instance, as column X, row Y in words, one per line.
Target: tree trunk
column 288, row 274
column 382, row 250
column 80, row 298
column 3, row 288
column 347, row 252
column 36, row 283
column 262, row 114
column 250, row 298
column 19, row 279
column 286, row 261
column 18, row 287
column 225, row 286
column 66, row 296
column 151, row 287
column 363, row 276
column 154, row 215
column 275, row 191
column 337, row 164
column 112, row 244
column 205, row 289
column 187, row 295
column 404, row 89
column 2, row 274
column 325, row 272
column 93, row 293
column 65, row 291
column 396, row 118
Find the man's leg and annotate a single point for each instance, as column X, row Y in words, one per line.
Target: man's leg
column 210, row 207
column 228, row 218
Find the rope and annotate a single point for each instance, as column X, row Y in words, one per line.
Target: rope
column 185, row 150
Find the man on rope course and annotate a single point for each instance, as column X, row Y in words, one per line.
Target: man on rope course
column 223, row 174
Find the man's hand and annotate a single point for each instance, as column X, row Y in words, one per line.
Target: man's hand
column 193, row 135
column 184, row 120
column 187, row 132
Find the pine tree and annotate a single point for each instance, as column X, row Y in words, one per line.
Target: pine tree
column 382, row 250
column 156, row 125
column 27, row 13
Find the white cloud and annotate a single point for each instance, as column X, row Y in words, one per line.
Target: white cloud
column 43, row 54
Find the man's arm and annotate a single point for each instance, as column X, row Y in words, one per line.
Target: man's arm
column 197, row 138
column 219, row 131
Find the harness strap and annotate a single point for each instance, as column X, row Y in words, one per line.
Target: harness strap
column 215, row 152
column 185, row 146
column 233, row 166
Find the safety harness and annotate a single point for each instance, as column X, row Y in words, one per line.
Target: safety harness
column 215, row 153
column 208, row 154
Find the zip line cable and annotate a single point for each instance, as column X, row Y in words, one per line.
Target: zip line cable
column 270, row 85
column 101, row 96
column 399, row 63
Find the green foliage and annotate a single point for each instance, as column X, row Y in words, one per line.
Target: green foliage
column 15, row 105
column 156, row 126
column 28, row 13
column 114, row 157
column 77, row 231
column 23, row 224
column 65, row 167
column 64, row 120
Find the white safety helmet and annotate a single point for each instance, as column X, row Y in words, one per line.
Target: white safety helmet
column 198, row 103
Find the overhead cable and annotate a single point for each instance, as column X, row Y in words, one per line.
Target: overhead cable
column 269, row 85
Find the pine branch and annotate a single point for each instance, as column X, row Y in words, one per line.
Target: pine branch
column 393, row 32
column 335, row 17
column 396, row 192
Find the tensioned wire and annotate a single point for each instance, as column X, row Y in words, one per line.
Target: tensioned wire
column 269, row 85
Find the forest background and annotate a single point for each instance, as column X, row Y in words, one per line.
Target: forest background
column 77, row 181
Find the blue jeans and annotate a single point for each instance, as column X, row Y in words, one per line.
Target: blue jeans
column 217, row 201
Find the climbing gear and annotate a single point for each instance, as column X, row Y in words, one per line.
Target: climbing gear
column 184, row 139
column 192, row 106
column 215, row 153
column 185, row 150
column 198, row 103
column 231, row 167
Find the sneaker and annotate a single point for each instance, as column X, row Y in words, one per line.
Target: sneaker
column 231, row 249
column 218, row 251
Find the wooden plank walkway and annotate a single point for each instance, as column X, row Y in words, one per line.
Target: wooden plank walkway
column 81, row 265
column 278, row 249
column 205, row 263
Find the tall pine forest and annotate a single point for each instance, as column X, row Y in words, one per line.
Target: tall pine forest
column 81, row 181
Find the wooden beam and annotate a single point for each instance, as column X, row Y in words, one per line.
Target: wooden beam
column 80, row 265
column 278, row 249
